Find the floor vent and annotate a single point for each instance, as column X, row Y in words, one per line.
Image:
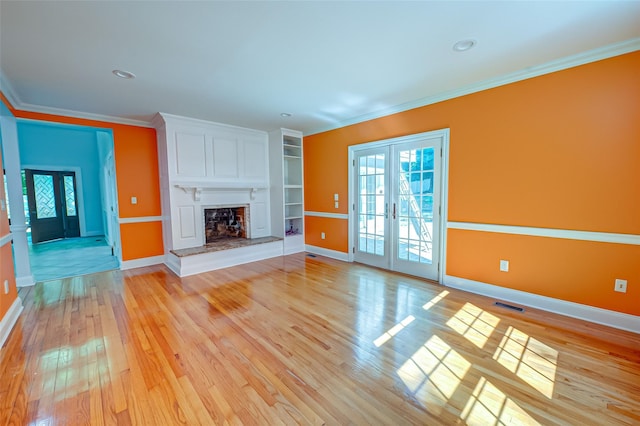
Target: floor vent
column 505, row 305
column 311, row 255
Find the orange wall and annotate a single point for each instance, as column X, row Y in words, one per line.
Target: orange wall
column 336, row 232
column 564, row 269
column 555, row 151
column 136, row 158
column 140, row 240
column 6, row 258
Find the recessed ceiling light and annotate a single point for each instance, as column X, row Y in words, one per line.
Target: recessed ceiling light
column 464, row 45
column 285, row 115
column 123, row 74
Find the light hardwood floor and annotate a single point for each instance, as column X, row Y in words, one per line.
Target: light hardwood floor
column 304, row 340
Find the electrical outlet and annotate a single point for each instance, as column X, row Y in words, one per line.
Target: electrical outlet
column 336, row 204
column 6, row 286
column 134, row 200
column 504, row 265
column 335, row 197
column 322, row 235
column 621, row 286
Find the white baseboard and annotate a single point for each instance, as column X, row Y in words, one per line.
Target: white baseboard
column 142, row 262
column 9, row 320
column 575, row 310
column 25, row 281
column 173, row 262
column 333, row 254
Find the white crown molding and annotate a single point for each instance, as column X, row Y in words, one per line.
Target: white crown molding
column 602, row 237
column 83, row 115
column 575, row 310
column 161, row 119
column 560, row 64
column 9, row 320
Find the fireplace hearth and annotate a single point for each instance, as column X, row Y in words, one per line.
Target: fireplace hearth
column 224, row 223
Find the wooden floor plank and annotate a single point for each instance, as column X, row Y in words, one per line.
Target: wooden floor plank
column 300, row 340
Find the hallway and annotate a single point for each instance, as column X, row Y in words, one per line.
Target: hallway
column 70, row 257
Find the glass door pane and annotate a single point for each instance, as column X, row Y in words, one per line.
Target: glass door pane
column 415, row 209
column 372, row 207
column 415, row 195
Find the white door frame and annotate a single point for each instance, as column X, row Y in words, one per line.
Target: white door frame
column 444, row 185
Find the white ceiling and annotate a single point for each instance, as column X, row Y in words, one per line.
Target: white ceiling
column 328, row 63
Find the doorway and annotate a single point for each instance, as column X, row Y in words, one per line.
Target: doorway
column 397, row 204
column 52, row 206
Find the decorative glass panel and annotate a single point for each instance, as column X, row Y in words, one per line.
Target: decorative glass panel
column 70, row 195
column 45, row 201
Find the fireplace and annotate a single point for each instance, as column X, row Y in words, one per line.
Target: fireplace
column 226, row 222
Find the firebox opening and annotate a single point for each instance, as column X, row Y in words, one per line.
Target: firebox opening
column 223, row 223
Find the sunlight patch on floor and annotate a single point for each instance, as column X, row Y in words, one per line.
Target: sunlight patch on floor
column 435, row 300
column 530, row 359
column 433, row 372
column 490, row 406
column 393, row 331
column 70, row 370
column 475, row 324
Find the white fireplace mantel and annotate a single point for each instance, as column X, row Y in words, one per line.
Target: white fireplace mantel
column 199, row 187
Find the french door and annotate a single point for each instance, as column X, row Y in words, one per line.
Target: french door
column 53, row 211
column 397, row 205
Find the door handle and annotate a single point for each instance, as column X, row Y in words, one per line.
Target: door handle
column 394, row 211
column 386, row 210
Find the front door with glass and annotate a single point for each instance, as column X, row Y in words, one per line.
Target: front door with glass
column 51, row 197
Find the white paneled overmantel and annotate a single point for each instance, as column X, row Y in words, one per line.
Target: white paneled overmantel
column 204, row 163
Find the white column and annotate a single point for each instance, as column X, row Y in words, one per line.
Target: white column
column 11, row 159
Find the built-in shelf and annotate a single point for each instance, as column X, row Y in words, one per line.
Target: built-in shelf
column 287, row 197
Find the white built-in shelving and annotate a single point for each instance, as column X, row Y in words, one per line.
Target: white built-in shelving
column 287, row 188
